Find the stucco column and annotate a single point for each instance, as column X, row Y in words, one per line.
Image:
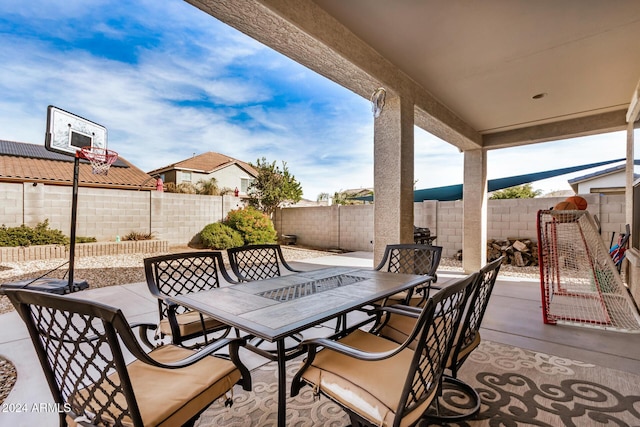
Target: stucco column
column 393, row 175
column 630, row 177
column 474, row 205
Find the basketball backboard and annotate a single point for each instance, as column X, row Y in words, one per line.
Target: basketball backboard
column 68, row 133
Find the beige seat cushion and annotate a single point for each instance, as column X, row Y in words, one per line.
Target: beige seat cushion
column 370, row 389
column 398, row 328
column 465, row 350
column 189, row 323
column 170, row 397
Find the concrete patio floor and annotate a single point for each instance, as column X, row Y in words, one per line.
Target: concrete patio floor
column 513, row 317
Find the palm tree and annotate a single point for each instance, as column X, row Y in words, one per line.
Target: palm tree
column 208, row 187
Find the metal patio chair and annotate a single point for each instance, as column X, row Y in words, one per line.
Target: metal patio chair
column 411, row 259
column 467, row 339
column 179, row 274
column 80, row 345
column 378, row 381
column 258, row 262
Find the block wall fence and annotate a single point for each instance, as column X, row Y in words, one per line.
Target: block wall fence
column 178, row 218
column 107, row 213
column 351, row 227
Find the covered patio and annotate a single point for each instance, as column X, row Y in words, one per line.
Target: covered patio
column 514, row 340
column 479, row 75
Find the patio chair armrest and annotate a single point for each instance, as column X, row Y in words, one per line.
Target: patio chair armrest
column 288, row 267
column 313, row 344
column 143, row 329
column 197, row 355
column 227, row 276
column 403, row 310
column 241, row 278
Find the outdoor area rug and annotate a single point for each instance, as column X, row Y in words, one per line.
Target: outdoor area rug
column 518, row 388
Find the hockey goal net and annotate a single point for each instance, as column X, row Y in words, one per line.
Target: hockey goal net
column 579, row 282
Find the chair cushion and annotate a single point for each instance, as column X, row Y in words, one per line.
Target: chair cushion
column 189, row 324
column 370, row 389
column 170, row 397
column 464, row 351
column 398, row 328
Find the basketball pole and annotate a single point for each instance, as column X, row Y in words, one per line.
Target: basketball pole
column 74, row 209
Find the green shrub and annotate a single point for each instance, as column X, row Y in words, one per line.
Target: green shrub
column 220, row 236
column 136, row 235
column 41, row 234
column 254, row 226
column 84, row 239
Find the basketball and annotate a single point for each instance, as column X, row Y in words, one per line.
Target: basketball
column 565, row 206
column 580, row 202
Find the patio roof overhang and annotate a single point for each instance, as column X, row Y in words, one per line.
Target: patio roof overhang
column 489, row 74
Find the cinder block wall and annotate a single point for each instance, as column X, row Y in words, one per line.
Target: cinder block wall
column 11, row 204
column 178, row 218
column 314, row 226
column 107, row 213
column 356, row 227
column 511, row 218
column 103, row 214
column 448, row 227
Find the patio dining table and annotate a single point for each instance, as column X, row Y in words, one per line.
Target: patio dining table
column 277, row 308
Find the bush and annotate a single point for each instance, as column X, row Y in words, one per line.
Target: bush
column 220, row 236
column 41, row 234
column 84, row 239
column 136, row 235
column 254, row 226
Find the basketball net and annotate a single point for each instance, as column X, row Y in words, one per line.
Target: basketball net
column 101, row 159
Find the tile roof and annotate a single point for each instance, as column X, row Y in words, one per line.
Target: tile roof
column 207, row 162
column 21, row 162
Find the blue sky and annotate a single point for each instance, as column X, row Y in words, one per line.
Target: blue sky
column 169, row 81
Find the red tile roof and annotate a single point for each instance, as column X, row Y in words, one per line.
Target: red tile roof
column 20, row 162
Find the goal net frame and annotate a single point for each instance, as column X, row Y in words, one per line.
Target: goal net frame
column 579, row 282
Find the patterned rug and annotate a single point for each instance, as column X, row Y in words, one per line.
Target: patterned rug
column 518, row 388
column 8, row 377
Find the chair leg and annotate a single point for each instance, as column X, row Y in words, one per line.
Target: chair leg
column 471, row 410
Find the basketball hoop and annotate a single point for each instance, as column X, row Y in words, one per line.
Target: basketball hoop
column 101, row 159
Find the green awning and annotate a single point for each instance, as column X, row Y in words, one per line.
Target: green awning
column 454, row 192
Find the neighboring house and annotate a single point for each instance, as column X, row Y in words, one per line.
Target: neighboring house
column 21, row 162
column 229, row 172
column 608, row 181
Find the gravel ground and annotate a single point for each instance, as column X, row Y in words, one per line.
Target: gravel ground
column 112, row 270
column 109, row 270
